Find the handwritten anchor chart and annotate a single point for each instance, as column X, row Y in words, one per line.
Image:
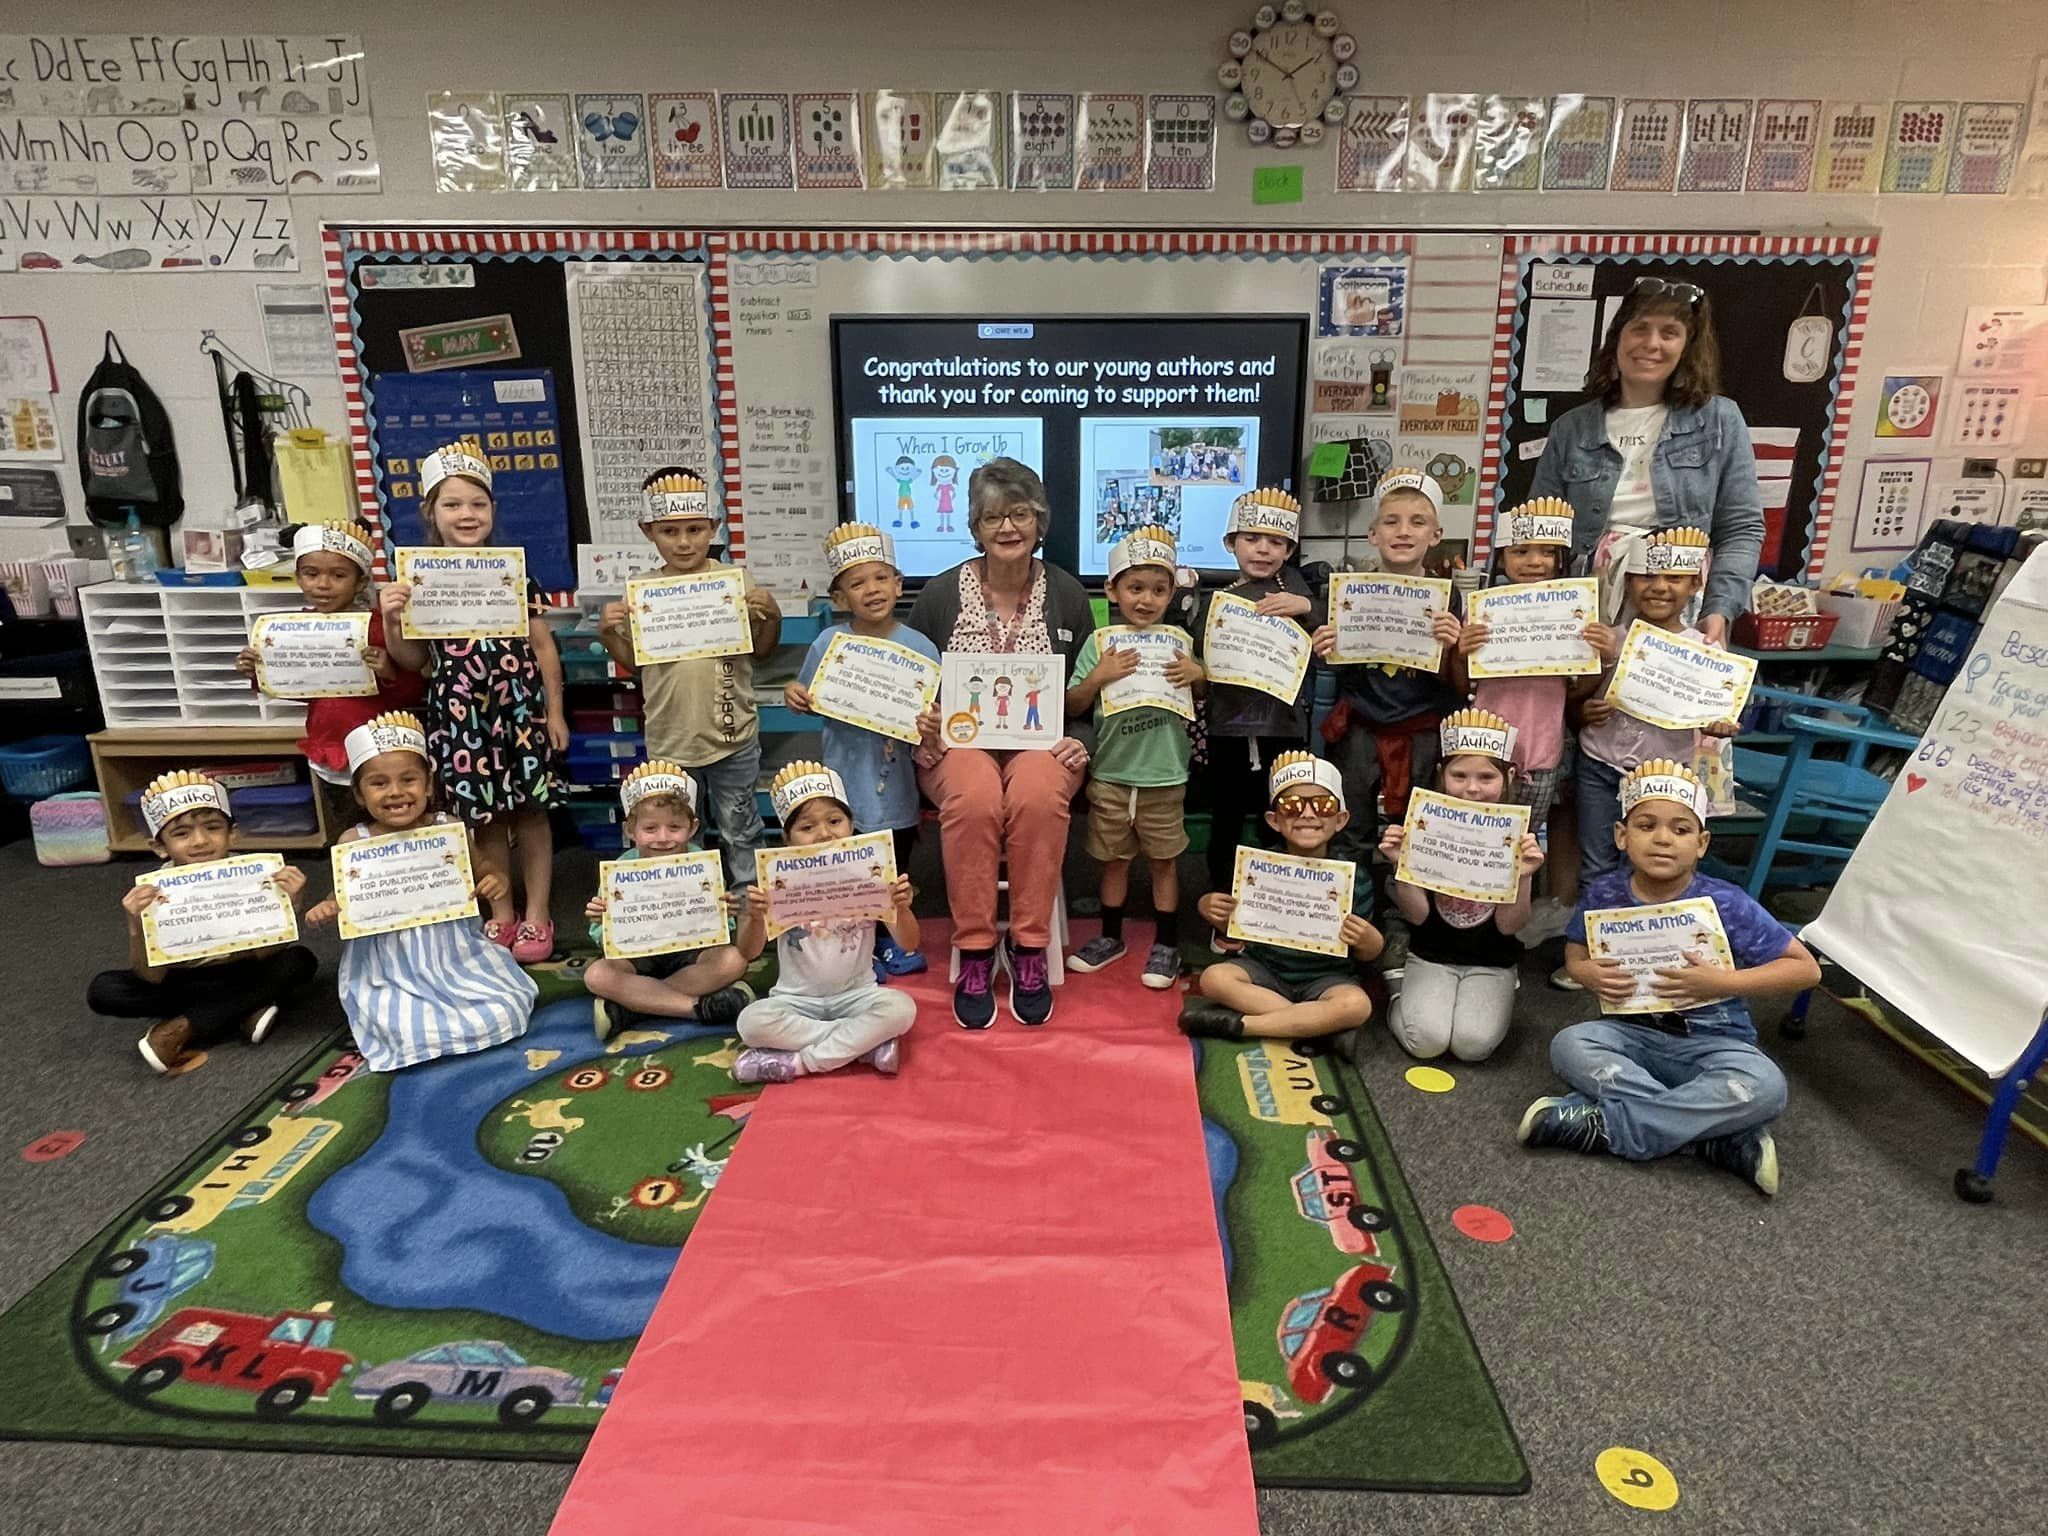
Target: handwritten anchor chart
column 828, row 140
column 756, row 140
column 1042, row 141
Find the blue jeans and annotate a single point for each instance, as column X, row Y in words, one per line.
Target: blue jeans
column 725, row 798
column 1658, row 1092
column 1599, row 802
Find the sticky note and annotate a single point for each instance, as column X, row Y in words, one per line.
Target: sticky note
column 1329, row 459
column 1276, row 184
column 1536, row 411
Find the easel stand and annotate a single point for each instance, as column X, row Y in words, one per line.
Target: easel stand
column 1974, row 1184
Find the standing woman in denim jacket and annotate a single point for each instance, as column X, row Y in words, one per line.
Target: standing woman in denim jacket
column 1657, row 447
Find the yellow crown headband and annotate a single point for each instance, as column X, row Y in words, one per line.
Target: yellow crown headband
column 1304, row 770
column 1408, row 478
column 800, row 781
column 672, row 497
column 1265, row 510
column 464, row 456
column 1477, row 731
column 1660, row 778
column 1151, row 545
column 1681, row 551
column 654, row 777
column 171, row 795
column 1546, row 520
column 852, row 544
column 396, row 731
column 349, row 540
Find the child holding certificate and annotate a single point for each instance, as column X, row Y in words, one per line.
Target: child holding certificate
column 1655, row 1081
column 440, row 989
column 660, row 802
column 701, row 713
column 1249, row 728
column 1384, row 728
column 1458, row 989
column 877, row 769
column 1272, row 990
column 1137, row 793
column 499, row 726
column 332, row 565
column 199, row 1003
column 826, row 1008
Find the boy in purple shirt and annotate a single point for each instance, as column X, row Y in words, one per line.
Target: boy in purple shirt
column 1648, row 1084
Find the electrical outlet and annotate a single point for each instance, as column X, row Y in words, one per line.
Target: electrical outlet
column 1979, row 469
column 2030, row 469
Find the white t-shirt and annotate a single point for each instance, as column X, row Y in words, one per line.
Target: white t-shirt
column 1634, row 433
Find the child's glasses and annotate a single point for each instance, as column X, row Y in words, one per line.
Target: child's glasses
column 1686, row 293
column 1298, row 806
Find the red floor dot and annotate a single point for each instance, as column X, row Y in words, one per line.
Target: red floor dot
column 48, row 1148
column 1482, row 1223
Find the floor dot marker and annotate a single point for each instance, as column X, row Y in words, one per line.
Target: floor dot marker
column 1636, row 1478
column 1482, row 1223
column 1431, row 1079
column 55, row 1144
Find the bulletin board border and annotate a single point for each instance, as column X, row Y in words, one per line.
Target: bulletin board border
column 1518, row 251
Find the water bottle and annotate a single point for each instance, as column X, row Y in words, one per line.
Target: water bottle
column 132, row 553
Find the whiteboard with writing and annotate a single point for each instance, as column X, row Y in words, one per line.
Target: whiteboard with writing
column 1938, row 911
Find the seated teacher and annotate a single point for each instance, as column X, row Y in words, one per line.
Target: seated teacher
column 1003, row 807
column 1657, row 447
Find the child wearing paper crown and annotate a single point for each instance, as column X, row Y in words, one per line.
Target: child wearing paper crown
column 331, row 562
column 878, row 770
column 1531, row 543
column 497, row 712
column 826, row 1008
column 1664, row 573
column 1270, row 990
column 703, row 986
column 1458, row 988
column 701, row 713
column 1137, row 793
column 1384, row 729
column 444, row 989
column 1248, row 728
column 1648, row 1084
column 198, row 1003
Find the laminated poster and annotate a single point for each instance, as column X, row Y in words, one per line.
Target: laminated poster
column 540, row 142
column 755, row 127
column 1041, row 141
column 1851, row 146
column 1463, row 848
column 1678, row 683
column 1109, row 152
column 407, row 879
column 899, row 129
column 828, row 148
column 1646, row 145
column 875, row 684
column 971, row 150
column 466, row 131
column 838, row 882
column 1646, row 940
column 683, row 139
column 464, row 594
column 611, row 140
column 1917, row 150
column 221, row 907
column 1290, row 901
column 1580, row 142
column 313, row 655
column 1372, row 147
column 1784, row 138
column 689, row 618
column 662, row 906
column 1510, row 143
column 1716, row 144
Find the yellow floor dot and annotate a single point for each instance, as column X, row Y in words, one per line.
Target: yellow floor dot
column 1431, row 1079
column 1636, row 1478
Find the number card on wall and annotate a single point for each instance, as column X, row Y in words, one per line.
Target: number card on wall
column 972, row 156
column 1783, row 139
column 1889, row 511
column 1041, row 141
column 1372, row 150
column 828, row 152
column 756, row 128
column 1110, row 143
column 1987, row 143
column 1851, row 147
column 1510, row 143
column 1646, row 145
column 1716, row 145
column 899, row 127
column 540, row 146
column 1180, row 143
column 1916, row 154
column 1580, row 142
column 682, row 135
column 611, row 140
column 1443, row 132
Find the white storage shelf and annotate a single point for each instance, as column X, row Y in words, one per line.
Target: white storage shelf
column 166, row 655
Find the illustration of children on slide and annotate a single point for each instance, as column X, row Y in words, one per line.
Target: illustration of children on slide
column 1003, row 689
column 904, row 470
column 945, row 473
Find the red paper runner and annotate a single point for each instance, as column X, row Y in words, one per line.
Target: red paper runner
column 986, row 1296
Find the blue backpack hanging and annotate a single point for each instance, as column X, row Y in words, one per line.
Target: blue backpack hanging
column 127, row 461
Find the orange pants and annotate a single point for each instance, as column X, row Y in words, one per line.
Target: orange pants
column 1001, row 808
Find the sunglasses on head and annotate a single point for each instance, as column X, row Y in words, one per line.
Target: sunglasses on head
column 1653, row 287
column 1307, row 805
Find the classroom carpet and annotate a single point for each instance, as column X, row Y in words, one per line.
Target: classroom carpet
column 458, row 1260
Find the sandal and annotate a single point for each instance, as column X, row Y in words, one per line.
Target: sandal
column 533, row 943
column 499, row 933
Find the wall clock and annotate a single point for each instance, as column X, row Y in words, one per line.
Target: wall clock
column 1288, row 73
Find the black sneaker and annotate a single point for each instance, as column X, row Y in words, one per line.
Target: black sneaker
column 724, row 1005
column 1750, row 1155
column 1564, row 1120
column 1030, row 986
column 1207, row 1019
column 974, row 998
column 1095, row 954
column 611, row 1017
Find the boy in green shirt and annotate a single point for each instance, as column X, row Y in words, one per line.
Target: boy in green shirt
column 1137, row 793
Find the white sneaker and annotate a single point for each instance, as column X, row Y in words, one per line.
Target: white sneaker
column 1562, row 980
column 1547, row 919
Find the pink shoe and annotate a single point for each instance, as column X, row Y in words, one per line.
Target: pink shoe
column 533, row 943
column 884, row 1058
column 498, row 933
column 758, row 1064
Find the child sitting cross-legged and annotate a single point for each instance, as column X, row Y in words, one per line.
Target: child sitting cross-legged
column 826, row 1008
column 660, row 802
column 201, row 1002
column 1648, row 1084
column 1270, row 990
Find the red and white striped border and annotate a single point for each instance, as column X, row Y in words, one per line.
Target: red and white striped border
column 1070, row 242
column 1496, row 406
column 718, row 270
column 1845, row 409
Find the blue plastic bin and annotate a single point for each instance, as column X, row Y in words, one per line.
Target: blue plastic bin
column 42, row 766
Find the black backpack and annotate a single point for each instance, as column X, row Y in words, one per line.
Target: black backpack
column 126, row 458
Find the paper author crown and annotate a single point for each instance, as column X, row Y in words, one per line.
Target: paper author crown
column 1546, row 520
column 1662, row 779
column 674, row 493
column 852, row 544
column 1404, row 477
column 1682, row 551
column 1266, row 510
column 1151, row 545
column 393, row 732
column 349, row 540
column 1477, row 730
column 170, row 795
column 1304, row 770
column 464, row 456
column 654, row 777
column 800, row 781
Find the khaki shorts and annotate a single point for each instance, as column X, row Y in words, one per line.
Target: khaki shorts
column 1124, row 822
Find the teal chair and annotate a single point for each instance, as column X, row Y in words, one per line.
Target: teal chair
column 1819, row 792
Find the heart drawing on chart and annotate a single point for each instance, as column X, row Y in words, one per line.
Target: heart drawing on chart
column 1915, row 781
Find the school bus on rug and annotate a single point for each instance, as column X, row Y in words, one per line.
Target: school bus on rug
column 261, row 1160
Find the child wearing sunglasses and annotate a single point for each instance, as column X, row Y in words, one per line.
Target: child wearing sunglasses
column 1273, row 992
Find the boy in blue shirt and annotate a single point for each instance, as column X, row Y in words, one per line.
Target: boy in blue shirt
column 881, row 779
column 1648, row 1084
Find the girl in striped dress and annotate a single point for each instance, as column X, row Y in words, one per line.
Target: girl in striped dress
column 442, row 989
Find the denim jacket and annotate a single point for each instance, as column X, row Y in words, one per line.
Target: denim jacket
column 1704, row 477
